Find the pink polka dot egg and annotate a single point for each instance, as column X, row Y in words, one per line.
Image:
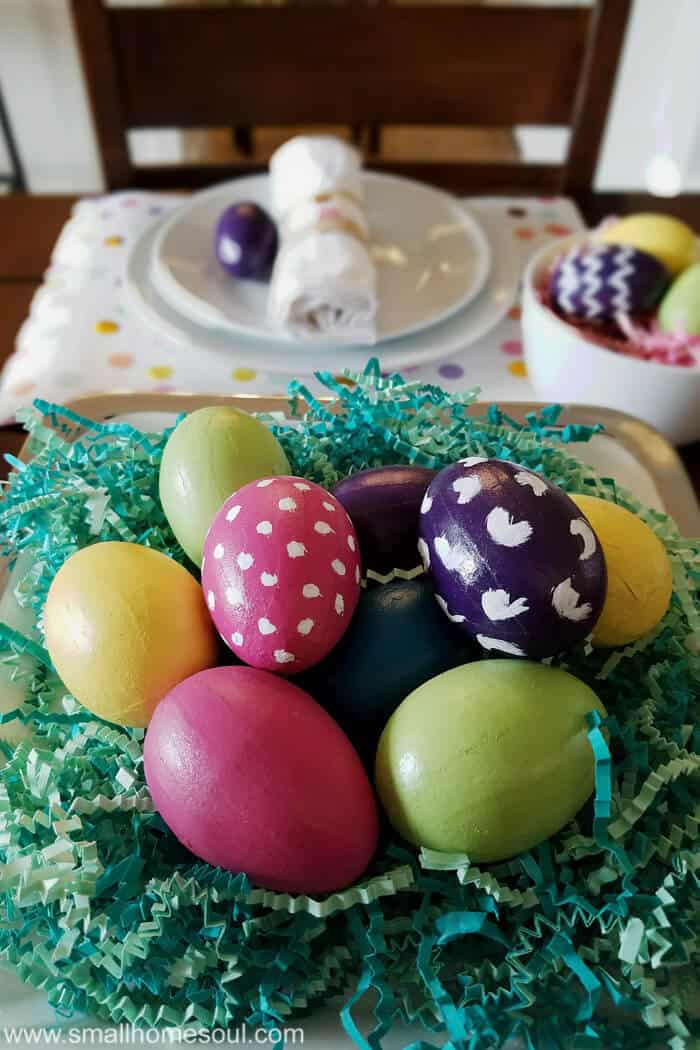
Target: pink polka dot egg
column 281, row 573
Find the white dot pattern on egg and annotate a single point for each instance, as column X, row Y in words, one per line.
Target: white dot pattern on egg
column 234, row 595
column 515, row 565
column 287, row 582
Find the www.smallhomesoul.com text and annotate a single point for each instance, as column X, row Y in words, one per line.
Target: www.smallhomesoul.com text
column 128, row 1035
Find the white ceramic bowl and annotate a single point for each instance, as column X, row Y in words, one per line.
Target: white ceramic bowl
column 565, row 366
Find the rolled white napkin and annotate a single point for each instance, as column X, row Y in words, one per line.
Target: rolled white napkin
column 311, row 164
column 324, row 282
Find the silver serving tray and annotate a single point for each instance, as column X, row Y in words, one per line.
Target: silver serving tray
column 652, row 470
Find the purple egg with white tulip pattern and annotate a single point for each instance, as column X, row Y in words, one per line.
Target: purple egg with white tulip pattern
column 514, row 562
column 594, row 282
column 246, row 241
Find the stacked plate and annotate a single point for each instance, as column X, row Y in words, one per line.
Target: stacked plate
column 439, row 287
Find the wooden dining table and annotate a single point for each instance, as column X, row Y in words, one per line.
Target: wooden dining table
column 30, row 225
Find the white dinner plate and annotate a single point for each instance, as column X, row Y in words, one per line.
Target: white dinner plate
column 440, row 341
column 432, row 258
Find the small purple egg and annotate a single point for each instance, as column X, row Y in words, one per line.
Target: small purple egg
column 594, row 282
column 384, row 504
column 246, row 241
column 514, row 561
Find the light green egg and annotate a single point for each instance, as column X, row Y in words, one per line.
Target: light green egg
column 209, row 455
column 488, row 759
column 680, row 307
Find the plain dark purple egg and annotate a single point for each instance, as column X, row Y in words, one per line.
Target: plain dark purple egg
column 384, row 505
column 246, row 241
column 514, row 562
column 594, row 282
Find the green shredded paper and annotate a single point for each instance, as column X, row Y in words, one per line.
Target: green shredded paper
column 589, row 940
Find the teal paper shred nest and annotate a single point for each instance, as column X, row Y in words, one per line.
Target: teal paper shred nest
column 590, row 940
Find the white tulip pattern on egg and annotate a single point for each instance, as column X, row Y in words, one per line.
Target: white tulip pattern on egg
column 504, row 530
column 514, row 564
column 537, row 484
column 500, row 645
column 498, row 606
column 281, row 573
column 454, row 617
column 580, row 527
column 466, row 489
column 450, row 558
column 566, row 600
column 456, row 559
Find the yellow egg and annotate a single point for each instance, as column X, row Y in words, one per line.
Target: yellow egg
column 639, row 572
column 668, row 239
column 124, row 624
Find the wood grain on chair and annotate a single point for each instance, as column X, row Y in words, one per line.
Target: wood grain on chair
column 357, row 64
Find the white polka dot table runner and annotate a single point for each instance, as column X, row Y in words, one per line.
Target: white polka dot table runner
column 83, row 336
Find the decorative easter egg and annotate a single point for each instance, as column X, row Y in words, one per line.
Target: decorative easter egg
column 252, row 775
column 488, row 759
column 666, row 238
column 515, row 562
column 281, row 573
column 594, row 282
column 680, row 307
column 397, row 640
column 246, row 241
column 640, row 578
column 383, row 504
column 123, row 625
column 209, row 455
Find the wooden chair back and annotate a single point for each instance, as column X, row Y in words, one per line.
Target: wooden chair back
column 354, row 62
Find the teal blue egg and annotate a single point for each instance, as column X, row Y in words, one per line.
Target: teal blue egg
column 398, row 639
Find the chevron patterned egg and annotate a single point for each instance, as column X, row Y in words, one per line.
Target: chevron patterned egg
column 514, row 561
column 594, row 282
column 281, row 573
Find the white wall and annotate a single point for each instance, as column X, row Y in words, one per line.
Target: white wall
column 44, row 94
column 656, row 105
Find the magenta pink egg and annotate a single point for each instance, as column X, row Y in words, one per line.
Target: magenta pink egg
column 252, row 775
column 281, row 573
